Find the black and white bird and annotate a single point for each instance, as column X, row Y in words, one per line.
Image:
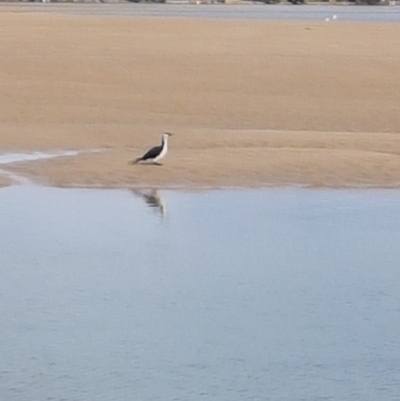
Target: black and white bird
column 154, row 155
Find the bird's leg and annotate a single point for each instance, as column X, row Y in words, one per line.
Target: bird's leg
column 157, row 164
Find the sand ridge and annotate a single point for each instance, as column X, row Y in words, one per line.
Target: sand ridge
column 250, row 102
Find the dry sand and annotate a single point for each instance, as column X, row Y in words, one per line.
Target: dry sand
column 251, row 103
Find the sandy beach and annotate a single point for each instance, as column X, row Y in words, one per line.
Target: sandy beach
column 250, row 102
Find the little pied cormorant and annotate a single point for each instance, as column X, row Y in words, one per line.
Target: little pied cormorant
column 154, row 155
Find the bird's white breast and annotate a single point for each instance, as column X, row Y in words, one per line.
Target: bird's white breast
column 163, row 152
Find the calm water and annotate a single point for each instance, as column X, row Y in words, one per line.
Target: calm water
column 237, row 12
column 221, row 295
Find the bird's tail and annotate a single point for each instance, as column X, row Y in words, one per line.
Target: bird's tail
column 136, row 160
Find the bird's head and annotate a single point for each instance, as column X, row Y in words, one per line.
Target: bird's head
column 167, row 134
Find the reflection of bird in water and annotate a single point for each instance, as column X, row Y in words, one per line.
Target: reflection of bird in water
column 154, row 155
column 152, row 199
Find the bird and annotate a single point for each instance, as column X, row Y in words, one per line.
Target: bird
column 157, row 153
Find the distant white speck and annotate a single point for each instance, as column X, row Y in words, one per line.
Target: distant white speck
column 327, row 19
column 334, row 16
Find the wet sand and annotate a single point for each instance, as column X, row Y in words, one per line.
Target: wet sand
column 4, row 180
column 250, row 102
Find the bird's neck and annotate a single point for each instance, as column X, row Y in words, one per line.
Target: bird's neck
column 164, row 142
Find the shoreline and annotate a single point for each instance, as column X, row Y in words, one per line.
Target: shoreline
column 240, row 159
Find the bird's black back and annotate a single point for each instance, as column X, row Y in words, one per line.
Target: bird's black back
column 152, row 153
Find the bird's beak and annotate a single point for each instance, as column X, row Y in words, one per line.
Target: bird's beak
column 169, row 134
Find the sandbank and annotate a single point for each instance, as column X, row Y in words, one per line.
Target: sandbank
column 250, row 102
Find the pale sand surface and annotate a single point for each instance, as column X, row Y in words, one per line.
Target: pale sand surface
column 250, row 102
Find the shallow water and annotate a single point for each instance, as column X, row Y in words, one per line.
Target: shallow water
column 8, row 158
column 221, row 295
column 217, row 11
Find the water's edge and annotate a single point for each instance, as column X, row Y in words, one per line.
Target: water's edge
column 20, row 157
